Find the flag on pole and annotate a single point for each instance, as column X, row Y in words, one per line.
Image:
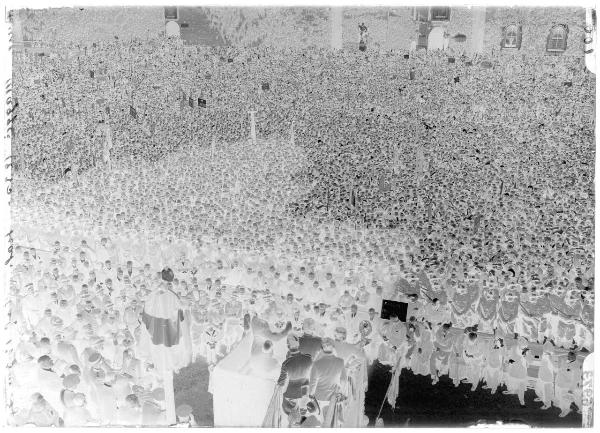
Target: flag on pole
column 424, row 281
column 404, row 286
column 393, row 389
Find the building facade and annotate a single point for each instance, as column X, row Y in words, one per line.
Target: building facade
column 469, row 30
column 492, row 31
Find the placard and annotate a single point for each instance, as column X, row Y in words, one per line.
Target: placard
column 399, row 308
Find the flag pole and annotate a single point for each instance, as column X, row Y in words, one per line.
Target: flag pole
column 169, row 396
column 388, row 389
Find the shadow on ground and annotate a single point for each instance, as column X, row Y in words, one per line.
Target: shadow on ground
column 419, row 402
column 191, row 387
column 423, row 404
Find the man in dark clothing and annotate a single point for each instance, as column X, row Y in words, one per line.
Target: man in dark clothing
column 295, row 374
column 309, row 343
column 327, row 375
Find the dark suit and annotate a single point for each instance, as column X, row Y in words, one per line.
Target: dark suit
column 310, row 345
column 296, row 370
column 327, row 373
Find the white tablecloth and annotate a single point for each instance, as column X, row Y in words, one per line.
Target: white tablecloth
column 239, row 400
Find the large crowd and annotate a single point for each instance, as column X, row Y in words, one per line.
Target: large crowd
column 466, row 191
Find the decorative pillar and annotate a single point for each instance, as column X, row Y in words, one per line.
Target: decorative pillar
column 478, row 30
column 336, row 17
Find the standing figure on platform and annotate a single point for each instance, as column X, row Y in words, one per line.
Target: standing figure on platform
column 362, row 43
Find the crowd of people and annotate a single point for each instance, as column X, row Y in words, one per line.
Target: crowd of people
column 463, row 187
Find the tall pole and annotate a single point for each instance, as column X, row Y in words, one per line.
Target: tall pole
column 292, row 137
column 169, row 397
column 252, row 127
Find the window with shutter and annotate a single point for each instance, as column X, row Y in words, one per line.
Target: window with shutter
column 440, row 14
column 511, row 37
column 519, row 37
column 557, row 39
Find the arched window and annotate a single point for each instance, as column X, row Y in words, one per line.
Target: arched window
column 511, row 36
column 557, row 39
